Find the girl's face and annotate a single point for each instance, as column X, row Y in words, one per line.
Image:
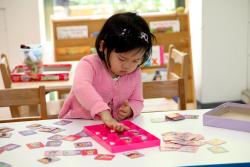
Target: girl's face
column 126, row 62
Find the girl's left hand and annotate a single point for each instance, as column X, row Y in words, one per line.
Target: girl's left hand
column 124, row 111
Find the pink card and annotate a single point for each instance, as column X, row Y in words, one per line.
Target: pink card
column 35, row 145
column 107, row 157
column 89, row 152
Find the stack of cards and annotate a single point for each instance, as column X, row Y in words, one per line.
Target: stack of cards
column 173, row 117
column 184, row 142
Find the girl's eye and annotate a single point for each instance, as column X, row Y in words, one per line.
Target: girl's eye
column 136, row 61
column 121, row 59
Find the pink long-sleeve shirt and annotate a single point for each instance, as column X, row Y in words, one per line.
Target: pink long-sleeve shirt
column 94, row 90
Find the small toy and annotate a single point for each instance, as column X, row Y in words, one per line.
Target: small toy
column 134, row 138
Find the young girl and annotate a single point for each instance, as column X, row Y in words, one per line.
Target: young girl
column 108, row 85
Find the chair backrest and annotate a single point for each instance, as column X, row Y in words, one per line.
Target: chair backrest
column 26, row 96
column 179, row 60
column 166, row 89
column 5, row 71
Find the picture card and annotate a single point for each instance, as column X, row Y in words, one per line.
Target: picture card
column 72, row 137
column 5, row 129
column 83, row 144
column 104, row 157
column 174, row 116
column 56, row 137
column 5, row 135
column 48, row 160
column 89, row 152
column 34, row 126
column 53, row 153
column 63, row 122
column 133, row 154
column 217, row 149
column 215, row 142
column 10, row 147
column 35, row 145
column 72, row 152
column 54, row 143
column 27, row 132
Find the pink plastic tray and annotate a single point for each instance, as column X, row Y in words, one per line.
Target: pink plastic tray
column 135, row 138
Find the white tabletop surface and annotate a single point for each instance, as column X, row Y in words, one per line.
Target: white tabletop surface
column 237, row 143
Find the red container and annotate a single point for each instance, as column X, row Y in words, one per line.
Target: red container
column 50, row 72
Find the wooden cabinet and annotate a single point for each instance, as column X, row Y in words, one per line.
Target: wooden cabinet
column 75, row 48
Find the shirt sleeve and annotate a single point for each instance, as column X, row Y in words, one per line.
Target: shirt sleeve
column 84, row 91
column 136, row 99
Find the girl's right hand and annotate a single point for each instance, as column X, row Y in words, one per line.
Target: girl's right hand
column 110, row 122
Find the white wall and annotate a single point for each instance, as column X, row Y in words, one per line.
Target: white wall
column 195, row 14
column 223, row 61
column 22, row 24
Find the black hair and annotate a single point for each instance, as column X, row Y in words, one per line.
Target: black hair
column 123, row 32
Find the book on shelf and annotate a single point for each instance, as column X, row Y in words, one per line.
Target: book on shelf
column 157, row 57
column 166, row 26
column 72, row 32
column 154, row 74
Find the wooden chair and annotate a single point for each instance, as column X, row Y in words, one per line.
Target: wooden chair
column 18, row 97
column 5, row 71
column 166, row 89
column 178, row 67
column 177, row 58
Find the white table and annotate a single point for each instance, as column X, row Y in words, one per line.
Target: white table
column 237, row 143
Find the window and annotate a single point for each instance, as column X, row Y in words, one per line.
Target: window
column 109, row 7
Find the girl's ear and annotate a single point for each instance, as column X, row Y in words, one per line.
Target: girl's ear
column 101, row 48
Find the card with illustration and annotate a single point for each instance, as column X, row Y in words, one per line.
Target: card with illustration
column 174, row 116
column 48, row 160
column 46, row 128
column 5, row 129
column 5, row 135
column 63, row 122
column 56, row 137
column 34, row 126
column 71, row 137
column 53, row 153
column 89, row 152
column 72, row 152
column 10, row 147
column 54, row 143
column 104, row 157
column 215, row 142
column 217, row 149
column 133, row 154
column 27, row 132
column 35, row 145
column 83, row 144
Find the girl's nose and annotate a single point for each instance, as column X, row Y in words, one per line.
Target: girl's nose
column 126, row 65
